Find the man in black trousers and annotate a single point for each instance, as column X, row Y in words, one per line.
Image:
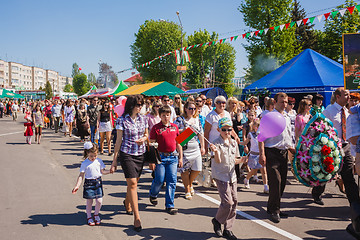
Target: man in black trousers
column 274, row 155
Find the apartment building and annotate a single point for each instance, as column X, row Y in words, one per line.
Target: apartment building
column 18, row 76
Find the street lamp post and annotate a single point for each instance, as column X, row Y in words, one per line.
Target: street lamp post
column 181, row 52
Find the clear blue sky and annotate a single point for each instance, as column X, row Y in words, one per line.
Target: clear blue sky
column 55, row 34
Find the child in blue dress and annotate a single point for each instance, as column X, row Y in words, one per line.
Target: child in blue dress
column 92, row 169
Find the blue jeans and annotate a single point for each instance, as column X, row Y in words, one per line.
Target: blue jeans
column 92, row 133
column 166, row 171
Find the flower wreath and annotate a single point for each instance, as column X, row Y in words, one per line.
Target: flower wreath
column 318, row 154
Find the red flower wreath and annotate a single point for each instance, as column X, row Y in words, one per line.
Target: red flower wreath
column 329, row 168
column 325, row 150
column 328, row 161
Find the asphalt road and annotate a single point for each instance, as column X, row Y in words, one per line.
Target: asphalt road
column 36, row 200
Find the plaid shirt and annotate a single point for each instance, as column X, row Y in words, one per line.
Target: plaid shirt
column 132, row 131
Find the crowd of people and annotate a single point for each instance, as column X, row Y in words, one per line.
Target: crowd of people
column 226, row 132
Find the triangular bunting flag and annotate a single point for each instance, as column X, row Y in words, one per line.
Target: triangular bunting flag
column 326, row 15
column 282, row 26
column 224, row 39
column 231, row 39
column 292, row 24
column 220, row 41
column 287, row 25
column 213, row 43
column 235, row 38
column 244, row 35
column 247, row 35
column 342, row 11
column 272, row 28
column 333, row 14
column 351, row 9
column 209, row 43
column 266, row 30
column 251, row 34
column 311, row 19
column 261, row 32
column 257, row 32
column 319, row 17
column 358, row 7
column 276, row 28
column 298, row 23
column 305, row 20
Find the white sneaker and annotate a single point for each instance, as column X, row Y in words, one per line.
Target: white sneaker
column 256, row 179
column 266, row 188
column 246, row 183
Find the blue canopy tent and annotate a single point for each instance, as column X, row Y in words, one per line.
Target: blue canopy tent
column 208, row 92
column 307, row 73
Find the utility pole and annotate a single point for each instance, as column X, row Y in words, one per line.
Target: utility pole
column 181, row 69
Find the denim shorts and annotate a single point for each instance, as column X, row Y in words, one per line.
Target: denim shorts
column 93, row 188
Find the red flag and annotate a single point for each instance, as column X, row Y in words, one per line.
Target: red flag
column 326, row 15
column 185, row 136
column 351, row 9
column 256, row 33
column 287, row 25
column 231, row 38
column 244, row 35
column 305, row 20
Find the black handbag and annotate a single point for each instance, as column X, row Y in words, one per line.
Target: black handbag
column 152, row 154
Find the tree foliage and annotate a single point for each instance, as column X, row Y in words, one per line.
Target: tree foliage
column 48, row 90
column 68, row 88
column 107, row 77
column 153, row 39
column 330, row 41
column 91, row 78
column 80, row 84
column 268, row 51
column 202, row 59
column 305, row 36
column 75, row 70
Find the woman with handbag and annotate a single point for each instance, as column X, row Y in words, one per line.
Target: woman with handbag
column 82, row 122
column 192, row 151
column 132, row 132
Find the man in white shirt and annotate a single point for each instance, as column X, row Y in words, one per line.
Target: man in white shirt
column 15, row 110
column 165, row 100
column 273, row 153
column 338, row 114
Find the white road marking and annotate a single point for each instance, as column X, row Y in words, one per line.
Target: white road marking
column 5, row 134
column 244, row 215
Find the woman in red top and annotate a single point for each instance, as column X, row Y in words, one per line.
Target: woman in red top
column 28, row 132
column 47, row 110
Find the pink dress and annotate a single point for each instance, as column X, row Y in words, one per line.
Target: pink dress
column 300, row 123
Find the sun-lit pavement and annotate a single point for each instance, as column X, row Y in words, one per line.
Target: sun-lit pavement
column 36, row 200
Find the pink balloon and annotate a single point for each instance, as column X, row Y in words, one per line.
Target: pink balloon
column 119, row 109
column 121, row 100
column 272, row 124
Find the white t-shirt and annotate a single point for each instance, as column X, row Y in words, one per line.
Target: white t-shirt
column 254, row 142
column 92, row 169
column 173, row 114
column 205, row 110
column 15, row 107
column 213, row 118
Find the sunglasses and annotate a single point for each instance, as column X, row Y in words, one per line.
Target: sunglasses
column 192, row 109
column 166, row 100
column 291, row 103
column 138, row 105
column 226, row 129
column 156, row 106
column 198, row 100
column 220, row 102
column 177, row 98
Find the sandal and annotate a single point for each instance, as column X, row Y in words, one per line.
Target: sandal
column 90, row 221
column 127, row 212
column 188, row 196
column 97, row 219
column 192, row 191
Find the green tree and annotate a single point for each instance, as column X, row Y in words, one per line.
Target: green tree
column 80, row 84
column 330, row 42
column 153, row 39
column 225, row 67
column 202, row 59
column 91, row 78
column 268, row 51
column 48, row 90
column 68, row 88
column 75, row 70
column 107, row 77
column 305, row 35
